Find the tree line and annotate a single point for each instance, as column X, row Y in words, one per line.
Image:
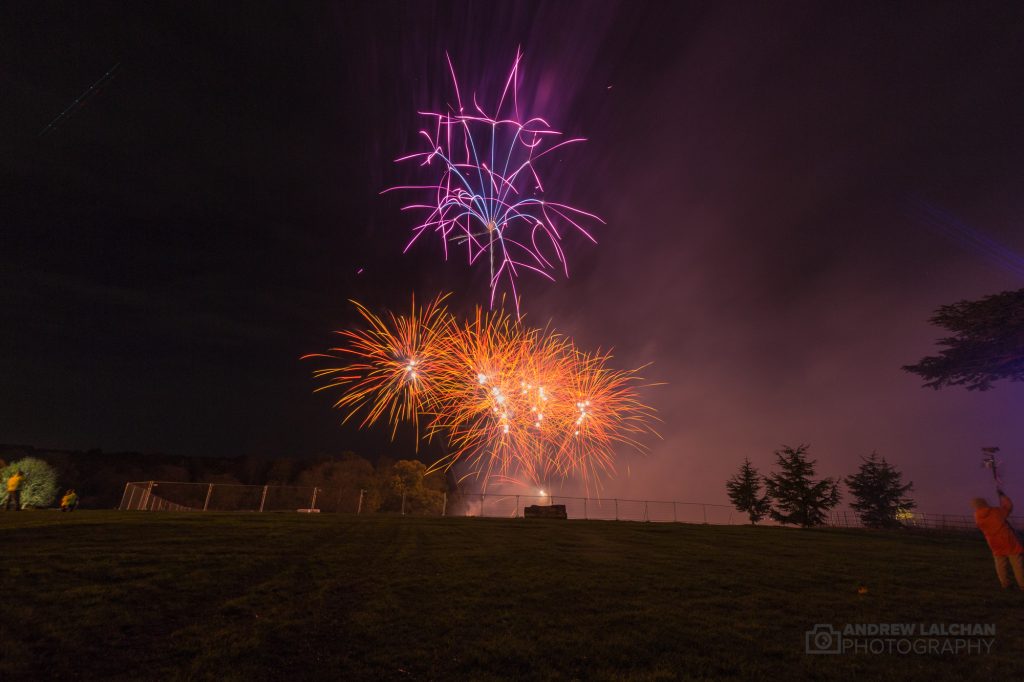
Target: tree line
column 99, row 477
column 792, row 496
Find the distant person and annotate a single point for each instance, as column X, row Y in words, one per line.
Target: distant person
column 69, row 502
column 14, row 491
column 1006, row 548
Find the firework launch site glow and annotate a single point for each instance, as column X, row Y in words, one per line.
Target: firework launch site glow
column 486, row 195
column 511, row 403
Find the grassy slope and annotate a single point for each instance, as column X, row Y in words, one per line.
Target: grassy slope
column 166, row 596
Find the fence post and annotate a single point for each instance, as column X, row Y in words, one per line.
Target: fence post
column 312, row 504
column 209, row 491
column 359, row 507
column 263, row 497
column 516, row 515
column 131, row 498
column 145, row 498
column 403, row 501
column 585, row 509
column 616, row 509
column 704, row 508
column 444, row 503
column 646, row 515
column 121, row 506
column 481, row 505
column 675, row 518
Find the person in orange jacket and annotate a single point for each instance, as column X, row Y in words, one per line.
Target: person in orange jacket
column 69, row 502
column 1006, row 548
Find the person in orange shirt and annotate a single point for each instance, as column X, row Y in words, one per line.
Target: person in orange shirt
column 1006, row 548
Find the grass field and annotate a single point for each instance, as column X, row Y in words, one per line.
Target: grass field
column 138, row 595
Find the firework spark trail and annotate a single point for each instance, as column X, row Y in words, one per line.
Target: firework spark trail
column 512, row 403
column 489, row 196
column 392, row 366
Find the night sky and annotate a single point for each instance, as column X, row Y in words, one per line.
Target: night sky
column 790, row 190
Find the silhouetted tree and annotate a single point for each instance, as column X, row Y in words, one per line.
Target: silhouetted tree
column 341, row 480
column 409, row 477
column 987, row 343
column 798, row 498
column 880, row 493
column 253, row 470
column 745, row 492
column 280, row 471
column 169, row 472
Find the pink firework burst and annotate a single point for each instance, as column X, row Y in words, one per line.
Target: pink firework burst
column 489, row 197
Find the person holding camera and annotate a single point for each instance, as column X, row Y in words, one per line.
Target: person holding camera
column 1006, row 548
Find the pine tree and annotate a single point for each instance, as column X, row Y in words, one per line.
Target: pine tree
column 798, row 498
column 745, row 492
column 880, row 493
column 987, row 343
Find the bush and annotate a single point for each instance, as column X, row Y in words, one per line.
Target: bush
column 39, row 489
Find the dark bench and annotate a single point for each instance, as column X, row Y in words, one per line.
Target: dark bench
column 550, row 511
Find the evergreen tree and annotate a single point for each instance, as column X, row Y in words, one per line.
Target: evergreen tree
column 799, row 499
column 880, row 493
column 745, row 493
column 987, row 344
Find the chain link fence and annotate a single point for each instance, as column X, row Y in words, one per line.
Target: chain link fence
column 511, row 506
column 174, row 496
column 199, row 497
column 919, row 520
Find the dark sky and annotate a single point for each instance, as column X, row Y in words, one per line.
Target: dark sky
column 790, row 189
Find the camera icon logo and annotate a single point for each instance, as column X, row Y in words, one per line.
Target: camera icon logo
column 823, row 639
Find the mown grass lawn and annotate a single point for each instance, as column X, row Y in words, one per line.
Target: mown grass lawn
column 137, row 595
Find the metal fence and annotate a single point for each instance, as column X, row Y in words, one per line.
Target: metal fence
column 175, row 496
column 613, row 509
column 198, row 497
column 919, row 520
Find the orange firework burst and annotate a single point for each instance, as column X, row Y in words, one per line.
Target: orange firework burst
column 511, row 402
column 393, row 366
column 604, row 409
